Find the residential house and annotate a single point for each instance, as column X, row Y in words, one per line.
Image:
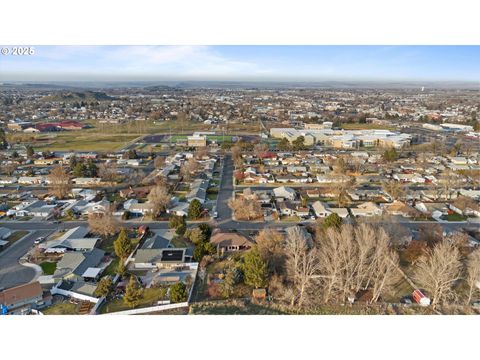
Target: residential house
column 434, row 210
column 73, row 239
column 366, row 209
column 284, row 192
column 321, row 209
column 162, row 258
column 180, row 209
column 5, row 233
column 198, row 190
column 76, row 265
column 86, row 181
column 230, row 241
column 20, row 299
column 400, row 208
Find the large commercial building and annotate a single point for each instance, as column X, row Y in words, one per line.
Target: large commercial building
column 344, row 139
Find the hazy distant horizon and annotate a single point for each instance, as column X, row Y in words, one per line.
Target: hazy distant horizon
column 292, row 64
column 198, row 84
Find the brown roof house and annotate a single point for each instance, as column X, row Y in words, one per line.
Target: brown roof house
column 230, row 241
column 22, row 297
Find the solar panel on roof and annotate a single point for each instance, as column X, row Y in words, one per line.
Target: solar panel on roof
column 172, row 255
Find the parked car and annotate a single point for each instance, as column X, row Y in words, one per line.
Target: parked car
column 39, row 240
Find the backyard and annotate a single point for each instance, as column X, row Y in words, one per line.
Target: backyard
column 150, row 297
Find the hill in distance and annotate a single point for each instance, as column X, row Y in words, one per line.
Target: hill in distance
column 77, row 96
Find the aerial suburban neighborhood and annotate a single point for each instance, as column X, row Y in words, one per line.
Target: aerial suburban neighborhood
column 239, row 200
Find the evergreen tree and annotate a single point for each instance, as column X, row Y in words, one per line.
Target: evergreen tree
column 195, row 209
column 255, row 269
column 133, row 293
column 390, row 155
column 30, row 151
column 178, row 293
column 332, row 220
column 104, row 287
column 3, row 140
column 122, row 245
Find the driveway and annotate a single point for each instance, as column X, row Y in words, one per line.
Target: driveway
column 11, row 272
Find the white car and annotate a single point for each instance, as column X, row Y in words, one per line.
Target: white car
column 215, row 214
column 39, row 240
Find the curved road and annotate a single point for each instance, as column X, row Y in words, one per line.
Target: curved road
column 11, row 272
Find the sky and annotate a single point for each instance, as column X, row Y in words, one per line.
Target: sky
column 244, row 63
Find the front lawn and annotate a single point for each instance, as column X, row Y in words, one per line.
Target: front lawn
column 48, row 267
column 454, row 217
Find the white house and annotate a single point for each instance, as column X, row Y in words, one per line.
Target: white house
column 285, row 193
column 321, row 209
column 366, row 209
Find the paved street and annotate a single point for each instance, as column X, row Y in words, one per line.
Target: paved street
column 225, row 191
column 11, row 272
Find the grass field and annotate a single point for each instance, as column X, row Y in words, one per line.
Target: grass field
column 48, row 267
column 64, row 308
column 356, row 126
column 85, row 141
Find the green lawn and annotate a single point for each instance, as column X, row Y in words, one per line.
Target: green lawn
column 369, row 126
column 454, row 217
column 112, row 267
column 64, row 308
column 150, row 298
column 17, row 235
column 212, row 196
column 48, row 267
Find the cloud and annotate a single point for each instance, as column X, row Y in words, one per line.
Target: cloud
column 129, row 61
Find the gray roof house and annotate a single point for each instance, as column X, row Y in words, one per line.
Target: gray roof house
column 73, row 265
column 73, row 239
column 198, row 190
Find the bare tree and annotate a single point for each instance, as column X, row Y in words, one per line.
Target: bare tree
column 103, row 224
column 393, row 188
column 108, row 172
column 353, row 259
column 260, row 148
column 59, row 182
column 472, row 278
column 270, row 246
column 237, row 156
column 9, row 168
column 159, row 162
column 245, row 209
column 431, row 234
column 189, row 168
column 448, row 182
column 341, row 189
column 302, row 265
column 438, row 271
column 201, row 152
column 159, row 197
